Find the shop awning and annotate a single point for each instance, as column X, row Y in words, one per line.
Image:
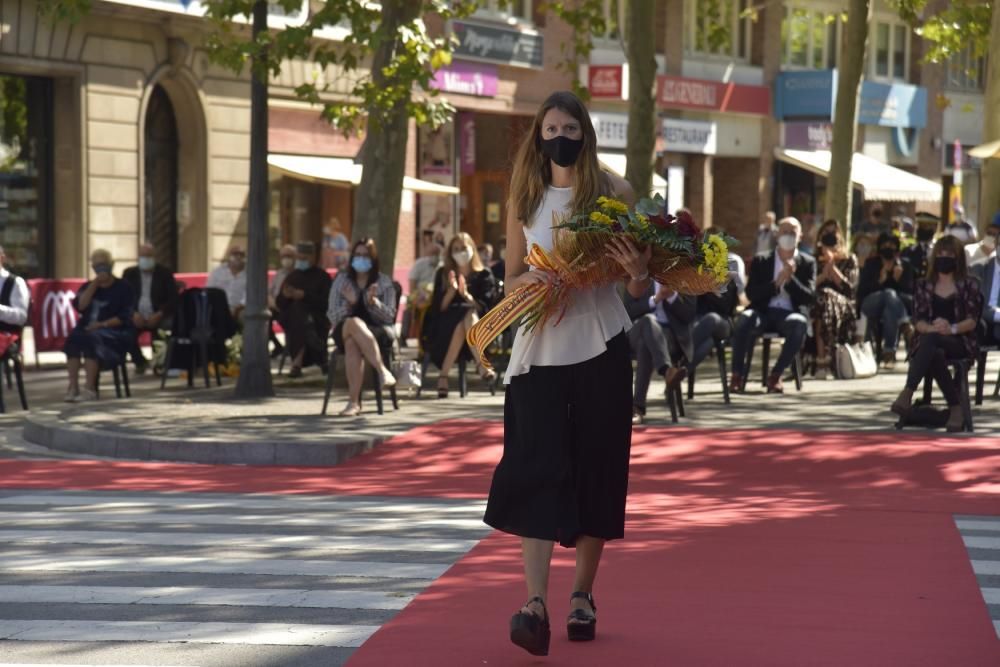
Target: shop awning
column 615, row 162
column 984, row 151
column 341, row 171
column 878, row 181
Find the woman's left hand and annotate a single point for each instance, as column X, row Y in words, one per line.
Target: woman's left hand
column 634, row 261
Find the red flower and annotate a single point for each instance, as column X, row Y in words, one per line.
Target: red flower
column 686, row 226
column 662, row 221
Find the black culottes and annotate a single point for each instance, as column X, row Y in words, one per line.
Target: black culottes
column 567, row 435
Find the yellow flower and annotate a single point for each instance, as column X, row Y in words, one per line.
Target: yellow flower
column 716, row 258
column 612, row 206
column 642, row 220
column 601, row 219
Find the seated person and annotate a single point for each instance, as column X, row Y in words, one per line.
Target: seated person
column 104, row 332
column 713, row 321
column 421, row 279
column 362, row 312
column 885, row 289
column 988, row 275
column 156, row 299
column 864, row 247
column 985, row 250
column 286, row 262
column 302, row 304
column 464, row 290
column 781, row 288
column 918, row 253
column 946, row 308
column 14, row 300
column 660, row 337
column 834, row 311
column 231, row 278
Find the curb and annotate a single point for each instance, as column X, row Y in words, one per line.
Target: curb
column 48, row 430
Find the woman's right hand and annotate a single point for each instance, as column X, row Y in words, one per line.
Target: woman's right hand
column 349, row 295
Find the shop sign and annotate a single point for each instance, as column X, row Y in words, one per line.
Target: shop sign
column 689, row 136
column 805, row 94
column 808, row 136
column 498, row 44
column 812, row 95
column 605, row 81
column 675, row 92
column 467, row 79
column 611, row 129
column 277, row 17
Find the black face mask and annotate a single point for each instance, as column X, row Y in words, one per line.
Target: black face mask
column 945, row 265
column 829, row 239
column 887, row 252
column 562, row 150
column 925, row 235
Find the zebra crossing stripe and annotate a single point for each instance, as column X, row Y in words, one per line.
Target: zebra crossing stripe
column 200, row 596
column 987, row 560
column 259, row 634
column 194, row 564
column 259, row 540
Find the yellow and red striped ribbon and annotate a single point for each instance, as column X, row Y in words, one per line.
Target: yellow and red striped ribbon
column 520, row 302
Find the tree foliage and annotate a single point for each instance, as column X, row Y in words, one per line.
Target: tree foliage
column 957, row 25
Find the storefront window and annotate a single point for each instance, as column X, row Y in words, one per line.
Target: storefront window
column 611, row 16
column 891, row 50
column 25, row 174
column 718, row 28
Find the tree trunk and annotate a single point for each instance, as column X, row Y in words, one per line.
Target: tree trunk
column 640, row 38
column 255, row 365
column 383, row 154
column 990, row 200
column 845, row 120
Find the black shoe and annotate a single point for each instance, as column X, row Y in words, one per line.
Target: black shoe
column 531, row 631
column 581, row 626
column 277, row 352
column 141, row 367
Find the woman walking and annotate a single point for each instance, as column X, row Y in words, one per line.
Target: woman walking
column 568, row 408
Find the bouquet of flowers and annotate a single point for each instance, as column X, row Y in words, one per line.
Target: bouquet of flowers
column 683, row 258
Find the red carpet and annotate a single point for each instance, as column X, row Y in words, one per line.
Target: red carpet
column 743, row 547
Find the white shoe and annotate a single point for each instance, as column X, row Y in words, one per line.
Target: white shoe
column 351, row 410
column 71, row 396
column 85, row 396
column 388, row 379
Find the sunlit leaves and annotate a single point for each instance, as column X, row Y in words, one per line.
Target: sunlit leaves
column 953, row 28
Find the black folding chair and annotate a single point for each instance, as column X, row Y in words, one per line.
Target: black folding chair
column 202, row 325
column 766, row 339
column 720, row 353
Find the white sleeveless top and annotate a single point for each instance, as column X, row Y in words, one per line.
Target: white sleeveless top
column 593, row 316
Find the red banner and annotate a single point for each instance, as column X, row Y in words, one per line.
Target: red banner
column 605, row 81
column 675, row 92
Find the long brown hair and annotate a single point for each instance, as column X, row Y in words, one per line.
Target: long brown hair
column 953, row 245
column 475, row 261
column 533, row 171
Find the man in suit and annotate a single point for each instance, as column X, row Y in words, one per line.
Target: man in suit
column 781, row 288
column 156, row 299
column 988, row 274
column 660, row 334
column 918, row 254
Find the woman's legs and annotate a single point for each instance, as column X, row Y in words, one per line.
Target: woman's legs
column 457, row 341
column 73, row 367
column 355, row 363
column 91, row 368
column 358, row 331
column 588, row 557
column 537, row 556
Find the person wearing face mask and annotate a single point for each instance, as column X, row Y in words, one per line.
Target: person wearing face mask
column 917, row 255
column 421, row 279
column 834, row 314
column 231, row 278
column 988, row 274
column 286, row 264
column 362, row 314
column 156, row 299
column 464, row 290
column 946, row 310
column 781, row 288
column 104, row 332
column 985, row 250
column 302, row 304
column 885, row 291
column 567, row 384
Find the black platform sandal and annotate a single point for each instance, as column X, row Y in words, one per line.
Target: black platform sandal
column 581, row 625
column 530, row 631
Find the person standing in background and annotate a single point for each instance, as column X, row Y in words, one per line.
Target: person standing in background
column 766, row 234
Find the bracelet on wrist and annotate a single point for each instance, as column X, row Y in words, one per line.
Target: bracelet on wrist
column 644, row 276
